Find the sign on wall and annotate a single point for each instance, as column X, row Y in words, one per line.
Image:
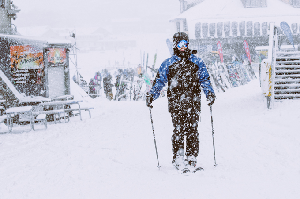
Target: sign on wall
column 26, row 57
column 57, row 56
column 26, row 64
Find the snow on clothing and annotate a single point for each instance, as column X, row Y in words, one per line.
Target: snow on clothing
column 185, row 77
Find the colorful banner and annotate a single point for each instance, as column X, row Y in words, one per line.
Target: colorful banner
column 26, row 57
column 57, row 56
column 220, row 51
column 246, row 46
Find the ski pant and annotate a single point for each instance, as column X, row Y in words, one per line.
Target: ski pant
column 185, row 122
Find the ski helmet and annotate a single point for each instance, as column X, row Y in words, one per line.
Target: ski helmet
column 177, row 37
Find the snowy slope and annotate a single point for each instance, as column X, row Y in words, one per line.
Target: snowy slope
column 112, row 155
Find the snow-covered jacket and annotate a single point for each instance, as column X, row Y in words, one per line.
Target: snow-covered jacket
column 185, row 77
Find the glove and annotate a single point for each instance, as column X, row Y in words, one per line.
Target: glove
column 211, row 98
column 149, row 100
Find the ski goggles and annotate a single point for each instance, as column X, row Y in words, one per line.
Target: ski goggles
column 182, row 43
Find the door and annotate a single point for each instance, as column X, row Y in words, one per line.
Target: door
column 56, row 81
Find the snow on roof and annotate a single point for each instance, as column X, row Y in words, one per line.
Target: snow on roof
column 38, row 40
column 22, row 38
column 234, row 10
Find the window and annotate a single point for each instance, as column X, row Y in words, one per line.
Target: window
column 254, row 3
column 257, row 29
column 227, row 28
column 178, row 26
column 198, row 30
column 219, row 29
column 249, row 28
column 205, row 29
column 212, row 29
column 185, row 27
column 264, row 28
column 242, row 28
column 234, row 27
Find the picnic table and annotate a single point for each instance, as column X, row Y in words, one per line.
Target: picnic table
column 62, row 107
column 10, row 112
column 39, row 113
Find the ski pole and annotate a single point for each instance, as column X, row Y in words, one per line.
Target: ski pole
column 154, row 139
column 213, row 135
column 184, row 150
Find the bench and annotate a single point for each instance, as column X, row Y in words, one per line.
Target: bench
column 40, row 110
column 61, row 108
column 27, row 113
column 79, row 109
column 40, row 118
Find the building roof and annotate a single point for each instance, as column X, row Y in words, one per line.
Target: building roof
column 234, row 9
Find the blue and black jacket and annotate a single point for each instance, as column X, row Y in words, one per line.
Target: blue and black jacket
column 185, row 77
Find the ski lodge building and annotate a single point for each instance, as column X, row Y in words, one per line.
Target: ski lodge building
column 31, row 69
column 233, row 21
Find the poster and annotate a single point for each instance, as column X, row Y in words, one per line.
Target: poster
column 26, row 64
column 26, row 57
column 57, row 56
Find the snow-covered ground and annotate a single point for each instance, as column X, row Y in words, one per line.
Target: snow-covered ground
column 112, row 155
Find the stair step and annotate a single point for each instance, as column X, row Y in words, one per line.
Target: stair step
column 290, row 62
column 290, row 76
column 287, row 67
column 287, row 53
column 287, row 95
column 289, row 92
column 286, row 98
column 287, row 89
column 290, row 86
column 288, row 80
column 295, row 71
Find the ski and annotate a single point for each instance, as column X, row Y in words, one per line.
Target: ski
column 185, row 170
column 198, row 169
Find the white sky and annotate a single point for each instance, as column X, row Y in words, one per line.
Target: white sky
column 61, row 13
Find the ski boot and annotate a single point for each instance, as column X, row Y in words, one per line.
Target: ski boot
column 178, row 160
column 192, row 163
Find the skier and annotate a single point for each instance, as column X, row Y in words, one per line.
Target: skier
column 107, row 85
column 184, row 73
column 92, row 88
column 118, row 84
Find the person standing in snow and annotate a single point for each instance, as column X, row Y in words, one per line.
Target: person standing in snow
column 107, row 85
column 185, row 74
